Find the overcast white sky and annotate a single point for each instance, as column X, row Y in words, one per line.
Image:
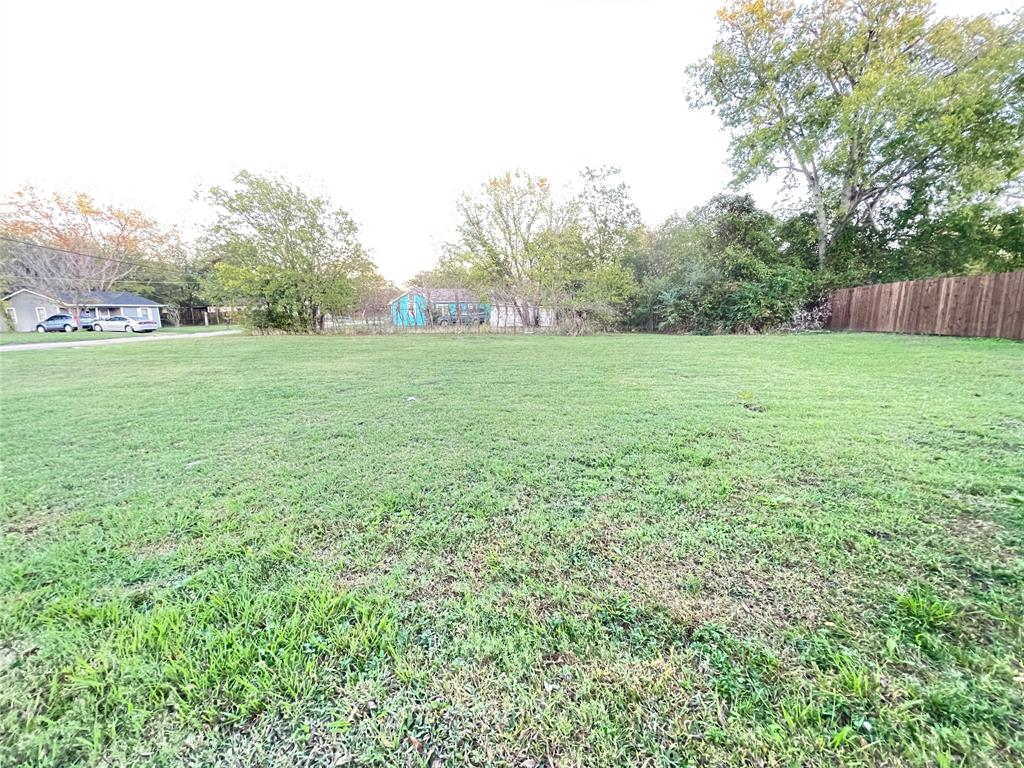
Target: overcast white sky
column 391, row 108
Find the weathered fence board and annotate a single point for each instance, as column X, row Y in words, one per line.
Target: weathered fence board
column 982, row 305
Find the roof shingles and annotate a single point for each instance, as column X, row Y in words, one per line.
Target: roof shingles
column 443, row 295
column 107, row 299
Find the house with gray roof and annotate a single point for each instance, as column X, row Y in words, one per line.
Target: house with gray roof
column 25, row 308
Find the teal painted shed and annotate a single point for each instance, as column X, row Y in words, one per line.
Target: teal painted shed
column 438, row 306
column 409, row 309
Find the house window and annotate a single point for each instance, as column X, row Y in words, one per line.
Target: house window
column 40, row 313
column 13, row 314
column 143, row 313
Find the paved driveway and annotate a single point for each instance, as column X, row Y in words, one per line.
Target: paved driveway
column 144, row 339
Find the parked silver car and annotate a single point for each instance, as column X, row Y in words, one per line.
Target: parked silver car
column 60, row 322
column 126, row 324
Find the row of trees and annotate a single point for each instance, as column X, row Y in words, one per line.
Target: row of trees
column 899, row 134
column 291, row 260
column 521, row 245
column 285, row 259
column 725, row 266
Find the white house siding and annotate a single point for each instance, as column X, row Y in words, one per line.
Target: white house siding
column 507, row 316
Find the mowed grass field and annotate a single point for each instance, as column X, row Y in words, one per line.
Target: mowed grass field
column 527, row 551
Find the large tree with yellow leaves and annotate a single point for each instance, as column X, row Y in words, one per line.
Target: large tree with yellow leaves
column 871, row 105
column 69, row 242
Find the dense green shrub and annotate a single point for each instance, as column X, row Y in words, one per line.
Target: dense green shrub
column 723, row 268
column 728, row 267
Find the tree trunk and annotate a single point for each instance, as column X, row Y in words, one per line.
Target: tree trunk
column 523, row 310
column 821, row 216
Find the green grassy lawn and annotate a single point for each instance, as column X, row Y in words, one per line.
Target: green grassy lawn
column 35, row 338
column 431, row 550
column 198, row 328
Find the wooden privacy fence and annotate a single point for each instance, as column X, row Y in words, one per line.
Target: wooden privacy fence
column 982, row 305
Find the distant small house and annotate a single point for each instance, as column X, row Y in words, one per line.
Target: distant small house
column 442, row 306
column 429, row 306
column 26, row 308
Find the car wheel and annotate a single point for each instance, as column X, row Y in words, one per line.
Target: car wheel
column 97, row 327
column 129, row 329
column 40, row 329
column 68, row 328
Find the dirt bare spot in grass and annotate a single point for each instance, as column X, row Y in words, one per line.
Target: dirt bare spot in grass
column 350, row 579
column 163, row 547
column 974, row 546
column 979, row 532
column 30, row 524
column 325, row 553
column 353, row 580
column 980, row 507
column 986, row 553
column 10, row 656
column 362, row 722
column 591, row 711
column 270, row 742
column 744, row 597
column 23, row 527
column 450, row 575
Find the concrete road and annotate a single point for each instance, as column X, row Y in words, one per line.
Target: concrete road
column 130, row 339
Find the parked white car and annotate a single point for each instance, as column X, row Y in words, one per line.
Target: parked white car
column 126, row 324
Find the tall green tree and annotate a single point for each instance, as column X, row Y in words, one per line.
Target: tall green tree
column 869, row 103
column 724, row 266
column 969, row 239
column 610, row 224
column 500, row 234
column 529, row 249
column 289, row 258
column 586, row 262
column 177, row 279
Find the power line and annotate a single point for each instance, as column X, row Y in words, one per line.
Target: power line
column 33, row 279
column 142, row 264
